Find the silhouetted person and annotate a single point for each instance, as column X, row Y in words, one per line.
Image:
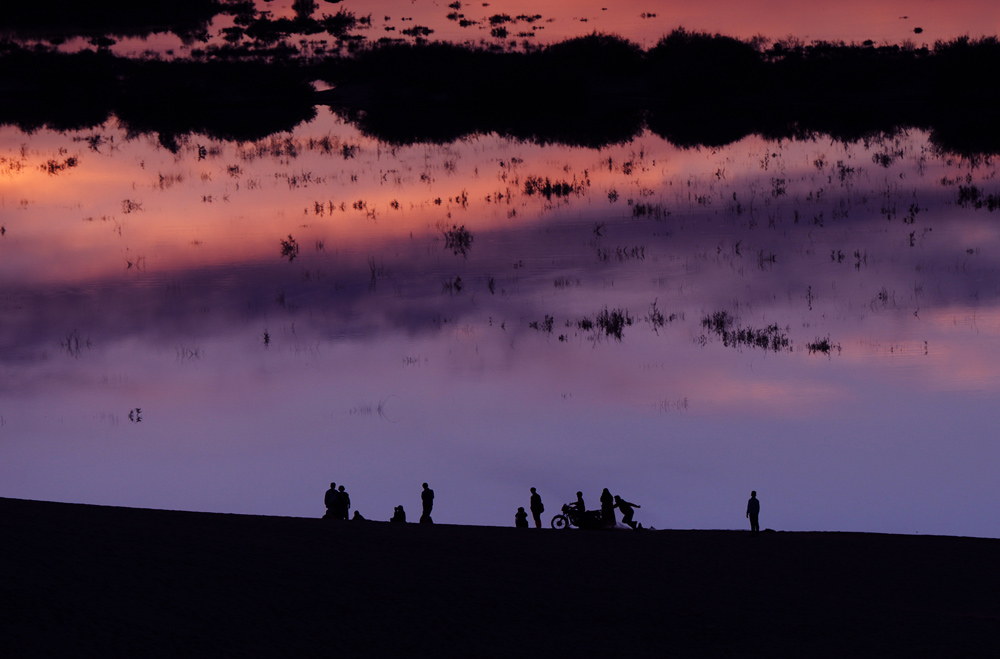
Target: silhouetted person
column 521, row 518
column 343, row 503
column 536, row 508
column 607, row 508
column 753, row 510
column 398, row 514
column 578, row 505
column 330, row 500
column 427, row 499
column 627, row 512
column 357, row 517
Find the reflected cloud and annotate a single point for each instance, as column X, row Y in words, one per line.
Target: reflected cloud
column 162, row 280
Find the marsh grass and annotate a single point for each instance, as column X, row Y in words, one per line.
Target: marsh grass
column 970, row 196
column 613, row 322
column 376, row 271
column 544, row 325
column 823, row 346
column 289, row 248
column 74, row 344
column 379, row 410
column 458, row 239
column 723, row 325
column 621, row 254
column 53, row 167
column 547, row 188
column 130, row 206
column 657, row 319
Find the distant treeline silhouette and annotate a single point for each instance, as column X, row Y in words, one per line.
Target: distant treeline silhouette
column 691, row 88
column 235, row 100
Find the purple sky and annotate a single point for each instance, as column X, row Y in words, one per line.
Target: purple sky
column 381, row 387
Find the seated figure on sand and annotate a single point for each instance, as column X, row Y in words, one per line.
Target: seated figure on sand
column 521, row 518
column 398, row 515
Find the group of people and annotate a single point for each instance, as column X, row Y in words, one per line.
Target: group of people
column 582, row 517
column 338, row 503
column 535, row 504
column 606, row 517
column 426, row 501
column 338, row 506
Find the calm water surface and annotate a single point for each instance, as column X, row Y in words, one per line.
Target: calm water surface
column 232, row 326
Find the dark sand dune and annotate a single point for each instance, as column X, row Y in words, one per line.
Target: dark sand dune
column 85, row 581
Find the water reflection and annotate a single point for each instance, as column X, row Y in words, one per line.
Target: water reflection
column 177, row 29
column 490, row 313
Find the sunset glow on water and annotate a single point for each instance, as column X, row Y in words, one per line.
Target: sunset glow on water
column 319, row 305
column 644, row 22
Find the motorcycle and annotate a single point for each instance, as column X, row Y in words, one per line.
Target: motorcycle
column 571, row 516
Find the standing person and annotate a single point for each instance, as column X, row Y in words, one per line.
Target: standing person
column 627, row 512
column 753, row 510
column 427, row 499
column 330, row 500
column 536, row 508
column 521, row 518
column 607, row 509
column 343, row 503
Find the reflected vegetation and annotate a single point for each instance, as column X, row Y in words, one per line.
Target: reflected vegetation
column 56, row 20
column 690, row 267
column 692, row 89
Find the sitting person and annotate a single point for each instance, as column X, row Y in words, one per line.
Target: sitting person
column 398, row 515
column 521, row 518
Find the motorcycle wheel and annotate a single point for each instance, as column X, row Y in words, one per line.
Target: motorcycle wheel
column 560, row 522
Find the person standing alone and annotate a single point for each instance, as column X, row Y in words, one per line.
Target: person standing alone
column 753, row 510
column 536, row 508
column 330, row 500
column 427, row 498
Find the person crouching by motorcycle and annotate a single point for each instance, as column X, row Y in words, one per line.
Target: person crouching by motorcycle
column 626, row 509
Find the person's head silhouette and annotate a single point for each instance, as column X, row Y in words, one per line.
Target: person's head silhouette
column 532, row 490
column 753, row 494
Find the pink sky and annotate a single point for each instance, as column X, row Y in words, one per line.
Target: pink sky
column 472, row 398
